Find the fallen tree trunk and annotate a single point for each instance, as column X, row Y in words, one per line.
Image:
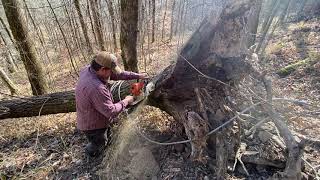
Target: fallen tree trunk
column 61, row 102
column 54, row 103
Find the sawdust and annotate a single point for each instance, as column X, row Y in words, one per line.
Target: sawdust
column 130, row 156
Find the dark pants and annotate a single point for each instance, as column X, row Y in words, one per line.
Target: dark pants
column 96, row 140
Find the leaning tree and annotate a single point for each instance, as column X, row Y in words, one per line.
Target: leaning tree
column 25, row 47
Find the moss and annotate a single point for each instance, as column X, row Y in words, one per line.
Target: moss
column 292, row 67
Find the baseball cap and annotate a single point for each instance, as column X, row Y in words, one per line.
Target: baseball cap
column 109, row 60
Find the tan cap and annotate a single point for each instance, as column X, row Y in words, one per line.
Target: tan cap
column 108, row 60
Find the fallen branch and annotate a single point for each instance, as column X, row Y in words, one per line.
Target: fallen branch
column 293, row 164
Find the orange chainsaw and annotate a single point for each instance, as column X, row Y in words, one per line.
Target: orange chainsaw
column 138, row 91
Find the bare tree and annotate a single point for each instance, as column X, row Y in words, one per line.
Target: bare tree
column 83, row 25
column 172, row 18
column 25, row 46
column 266, row 25
column 64, row 38
column 113, row 24
column 12, row 67
column 284, row 12
column 91, row 22
column 4, row 77
column 97, row 24
column 153, row 6
column 164, row 19
column 6, row 29
column 301, row 8
column 253, row 23
column 128, row 34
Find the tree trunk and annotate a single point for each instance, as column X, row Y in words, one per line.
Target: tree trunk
column 11, row 65
column 254, row 23
column 113, row 24
column 272, row 4
column 128, row 34
column 97, row 23
column 284, row 12
column 83, row 26
column 73, row 65
column 163, row 20
column 6, row 29
column 7, row 56
column 62, row 102
column 25, row 46
column 91, row 23
column 267, row 24
column 153, row 4
column 8, row 82
column 221, row 65
column 172, row 19
column 301, row 8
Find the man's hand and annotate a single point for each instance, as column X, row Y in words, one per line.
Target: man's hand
column 143, row 76
column 129, row 99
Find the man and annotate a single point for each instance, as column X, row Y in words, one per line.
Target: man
column 94, row 102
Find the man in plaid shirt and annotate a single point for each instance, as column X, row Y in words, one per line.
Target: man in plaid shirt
column 94, row 102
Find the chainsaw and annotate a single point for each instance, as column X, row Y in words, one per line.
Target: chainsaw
column 138, row 91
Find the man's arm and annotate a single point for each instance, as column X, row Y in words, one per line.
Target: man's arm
column 125, row 75
column 102, row 101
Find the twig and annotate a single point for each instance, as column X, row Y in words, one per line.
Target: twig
column 240, row 152
column 37, row 139
column 232, row 119
column 313, row 168
column 293, row 165
column 253, row 128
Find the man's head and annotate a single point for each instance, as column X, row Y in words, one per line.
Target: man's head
column 104, row 64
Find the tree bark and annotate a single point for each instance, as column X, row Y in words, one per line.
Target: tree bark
column 153, row 4
column 284, row 12
column 301, row 8
column 91, row 23
column 62, row 102
column 25, row 46
column 172, row 19
column 6, row 29
column 73, row 64
column 128, row 34
column 267, row 24
column 254, row 25
column 163, row 20
column 97, row 23
column 8, row 82
column 83, row 26
column 7, row 56
column 113, row 24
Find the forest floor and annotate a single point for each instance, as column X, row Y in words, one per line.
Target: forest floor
column 50, row 147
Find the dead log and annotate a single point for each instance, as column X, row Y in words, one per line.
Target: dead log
column 54, row 103
column 61, row 102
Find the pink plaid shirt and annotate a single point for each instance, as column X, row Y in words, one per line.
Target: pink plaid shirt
column 94, row 102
